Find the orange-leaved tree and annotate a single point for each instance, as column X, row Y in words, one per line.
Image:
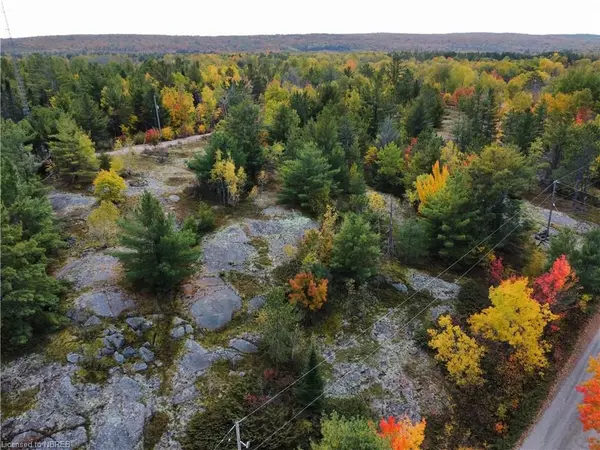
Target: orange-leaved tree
column 518, row 320
column 429, row 184
column 589, row 409
column 308, row 291
column 560, row 278
column 403, row 435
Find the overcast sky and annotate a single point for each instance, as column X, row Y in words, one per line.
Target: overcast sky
column 240, row 17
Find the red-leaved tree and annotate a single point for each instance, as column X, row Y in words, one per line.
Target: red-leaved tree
column 548, row 287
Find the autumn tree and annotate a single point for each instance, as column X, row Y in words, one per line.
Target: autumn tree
column 589, row 409
column 427, row 185
column 228, row 180
column 109, row 186
column 460, row 352
column 72, row 150
column 548, row 287
column 518, row 320
column 356, row 250
column 157, row 257
column 180, row 105
column 340, row 433
column 403, row 434
column 102, row 222
column 308, row 291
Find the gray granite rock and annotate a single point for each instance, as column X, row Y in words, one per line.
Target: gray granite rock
column 91, row 270
column 116, row 340
column 107, row 351
column 93, row 321
column 119, row 358
column 105, row 303
column 438, row 288
column 214, row 304
column 255, row 303
column 73, row 358
column 67, row 204
column 400, row 287
column 227, row 249
column 188, row 329
column 76, row 438
column 140, row 366
column 146, row 354
column 243, row 346
column 178, row 332
column 135, row 322
column 129, row 352
column 174, row 198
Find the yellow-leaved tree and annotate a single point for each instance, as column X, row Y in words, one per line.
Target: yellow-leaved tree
column 460, row 352
column 518, row 320
column 317, row 245
column 228, row 180
column 102, row 223
column 429, row 184
column 108, row 185
column 206, row 111
column 180, row 105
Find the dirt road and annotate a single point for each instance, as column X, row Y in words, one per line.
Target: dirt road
column 161, row 145
column 559, row 427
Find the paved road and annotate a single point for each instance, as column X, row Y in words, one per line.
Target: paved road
column 161, row 145
column 559, row 428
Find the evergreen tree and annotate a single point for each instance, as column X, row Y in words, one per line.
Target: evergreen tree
column 310, row 388
column 73, row 151
column 158, row 257
column 284, row 123
column 356, row 250
column 308, row 179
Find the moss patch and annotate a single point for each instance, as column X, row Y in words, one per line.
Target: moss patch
column 15, row 404
column 154, row 429
column 262, row 247
column 246, row 285
column 61, row 344
column 394, row 270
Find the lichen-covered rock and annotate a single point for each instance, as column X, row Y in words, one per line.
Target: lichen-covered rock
column 67, row 204
column 105, row 303
column 227, row 249
column 436, row 287
column 243, row 346
column 146, row 354
column 214, row 303
column 91, row 270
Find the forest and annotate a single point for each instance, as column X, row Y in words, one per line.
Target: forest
column 402, row 163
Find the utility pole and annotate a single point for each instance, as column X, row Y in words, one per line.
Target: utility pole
column 554, row 183
column 238, row 437
column 156, row 108
column 390, row 239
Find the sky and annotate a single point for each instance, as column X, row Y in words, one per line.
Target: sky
column 236, row 17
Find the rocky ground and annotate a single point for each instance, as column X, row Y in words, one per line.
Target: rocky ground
column 123, row 360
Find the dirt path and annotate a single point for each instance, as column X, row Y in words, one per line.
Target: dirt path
column 559, row 428
column 161, row 145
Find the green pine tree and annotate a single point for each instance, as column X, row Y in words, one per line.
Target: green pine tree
column 158, row 257
column 308, row 179
column 356, row 250
column 310, row 389
column 73, row 151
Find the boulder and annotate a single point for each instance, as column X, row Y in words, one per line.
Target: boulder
column 93, row 321
column 227, row 249
column 67, row 204
column 73, row 358
column 255, row 303
column 243, row 346
column 135, row 322
column 106, row 303
column 215, row 305
column 115, row 340
column 400, row 287
column 129, row 352
column 188, row 329
column 91, row 270
column 178, row 332
column 119, row 358
column 146, row 354
column 140, row 366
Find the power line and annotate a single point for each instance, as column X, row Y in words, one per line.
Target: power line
column 390, row 338
column 405, row 301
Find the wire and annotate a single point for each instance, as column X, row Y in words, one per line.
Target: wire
column 390, row 338
column 225, row 437
column 332, row 356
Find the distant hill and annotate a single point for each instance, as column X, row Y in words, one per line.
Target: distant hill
column 458, row 42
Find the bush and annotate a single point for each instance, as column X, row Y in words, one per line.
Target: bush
column 102, row 223
column 109, row 186
column 152, row 136
column 202, row 222
column 472, row 298
column 412, row 242
column 139, row 138
column 117, row 164
column 282, row 341
column 167, row 134
column 308, row 291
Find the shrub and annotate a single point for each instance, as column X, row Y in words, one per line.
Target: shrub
column 186, row 130
column 202, row 222
column 307, row 291
column 102, row 222
column 472, row 298
column 152, row 136
column 117, row 164
column 167, row 134
column 139, row 138
column 108, row 185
